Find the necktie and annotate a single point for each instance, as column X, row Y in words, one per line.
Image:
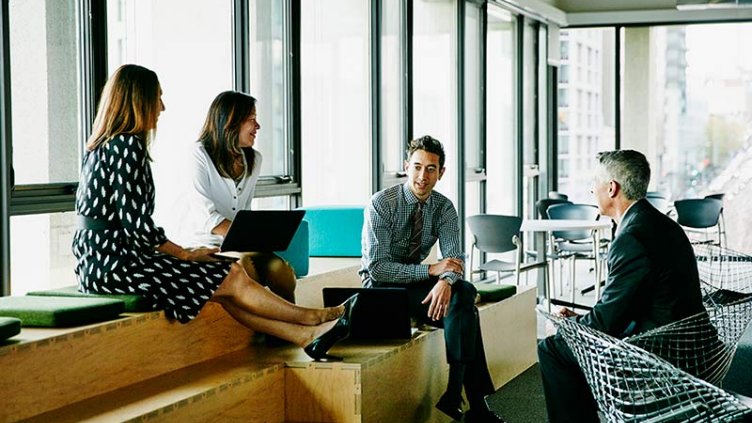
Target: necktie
column 416, row 234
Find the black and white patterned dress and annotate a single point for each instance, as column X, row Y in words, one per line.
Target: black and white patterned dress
column 117, row 186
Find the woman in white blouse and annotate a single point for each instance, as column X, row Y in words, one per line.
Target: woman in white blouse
column 225, row 169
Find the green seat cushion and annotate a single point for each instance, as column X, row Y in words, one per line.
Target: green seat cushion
column 9, row 326
column 492, row 292
column 60, row 311
column 132, row 302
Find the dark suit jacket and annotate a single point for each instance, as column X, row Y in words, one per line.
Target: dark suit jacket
column 652, row 278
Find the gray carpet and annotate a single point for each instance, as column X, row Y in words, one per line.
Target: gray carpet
column 521, row 400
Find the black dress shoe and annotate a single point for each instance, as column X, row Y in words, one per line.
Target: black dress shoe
column 482, row 416
column 318, row 347
column 450, row 407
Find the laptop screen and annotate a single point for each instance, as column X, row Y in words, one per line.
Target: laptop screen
column 262, row 230
column 381, row 313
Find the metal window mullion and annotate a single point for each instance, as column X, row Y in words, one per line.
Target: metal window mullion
column 5, row 151
column 519, row 106
column 241, row 74
column 483, row 99
column 295, row 122
column 406, row 64
column 460, row 40
column 376, row 141
column 617, row 87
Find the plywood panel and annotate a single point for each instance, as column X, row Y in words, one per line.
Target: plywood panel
column 318, row 394
column 228, row 388
column 509, row 335
column 406, row 386
column 42, row 375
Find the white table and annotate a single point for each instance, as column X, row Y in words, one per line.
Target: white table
column 542, row 227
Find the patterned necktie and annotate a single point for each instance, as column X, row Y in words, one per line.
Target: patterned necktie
column 416, row 235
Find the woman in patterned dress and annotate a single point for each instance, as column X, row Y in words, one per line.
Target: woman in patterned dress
column 121, row 251
column 225, row 169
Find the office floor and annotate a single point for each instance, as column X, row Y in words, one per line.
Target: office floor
column 522, row 400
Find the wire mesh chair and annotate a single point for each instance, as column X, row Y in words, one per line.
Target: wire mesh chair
column 631, row 384
column 704, row 344
column 722, row 272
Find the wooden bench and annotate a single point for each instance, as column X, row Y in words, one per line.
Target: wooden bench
column 143, row 367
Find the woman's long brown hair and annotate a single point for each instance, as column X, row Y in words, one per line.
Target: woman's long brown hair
column 130, row 104
column 220, row 134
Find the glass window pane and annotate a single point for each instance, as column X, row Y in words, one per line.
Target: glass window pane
column 268, row 47
column 191, row 52
column 435, row 81
column 41, row 255
column 586, row 107
column 335, row 96
column 271, row 203
column 697, row 129
column 393, row 144
column 473, row 158
column 501, row 140
column 44, row 91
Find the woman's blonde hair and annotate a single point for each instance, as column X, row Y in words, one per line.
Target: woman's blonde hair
column 130, row 104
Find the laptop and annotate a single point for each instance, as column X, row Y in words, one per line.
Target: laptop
column 381, row 313
column 261, row 231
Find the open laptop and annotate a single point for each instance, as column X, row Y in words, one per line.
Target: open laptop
column 381, row 313
column 261, row 231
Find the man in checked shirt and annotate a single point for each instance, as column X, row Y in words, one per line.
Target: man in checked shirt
column 402, row 223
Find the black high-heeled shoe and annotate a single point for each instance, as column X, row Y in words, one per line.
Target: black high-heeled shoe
column 450, row 407
column 318, row 347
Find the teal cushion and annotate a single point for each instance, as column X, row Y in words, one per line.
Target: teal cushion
column 132, row 302
column 296, row 253
column 9, row 326
column 493, row 292
column 60, row 311
column 334, row 231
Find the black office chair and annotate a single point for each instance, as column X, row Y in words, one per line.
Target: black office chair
column 722, row 221
column 699, row 214
column 556, row 195
column 656, row 194
column 496, row 234
column 543, row 204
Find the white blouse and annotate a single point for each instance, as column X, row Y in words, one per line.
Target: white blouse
column 215, row 198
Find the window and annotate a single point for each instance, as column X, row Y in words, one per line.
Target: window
column 434, row 82
column 696, row 137
column 392, row 114
column 335, row 93
column 191, row 53
column 594, row 121
column 46, row 122
column 475, row 173
column 269, row 76
column 501, row 114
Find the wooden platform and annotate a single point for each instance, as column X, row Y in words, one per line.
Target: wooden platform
column 143, row 367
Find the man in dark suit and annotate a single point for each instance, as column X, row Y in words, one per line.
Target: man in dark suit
column 652, row 281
